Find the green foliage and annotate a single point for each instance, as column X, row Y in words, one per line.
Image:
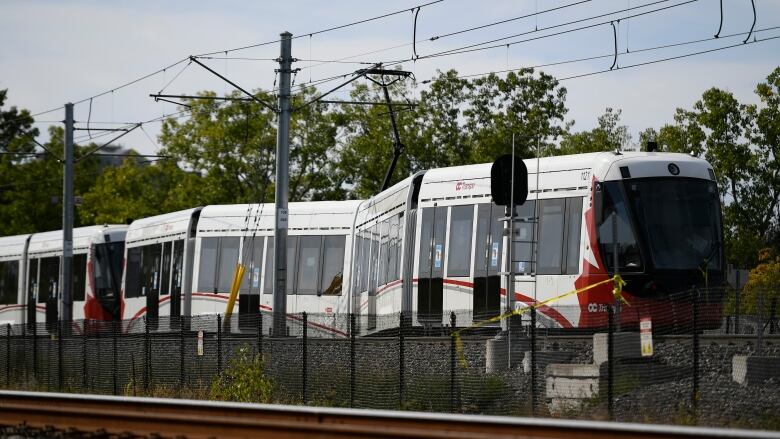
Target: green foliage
column 609, row 135
column 243, row 380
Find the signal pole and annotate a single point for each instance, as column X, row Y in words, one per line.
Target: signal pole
column 66, row 281
column 282, row 188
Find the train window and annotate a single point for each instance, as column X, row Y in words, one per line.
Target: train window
column 165, row 278
column 384, row 236
column 79, row 276
column 615, row 220
column 309, row 264
column 364, row 260
column 434, row 227
column 292, row 263
column 9, row 282
column 49, row 278
column 252, row 256
column 133, row 272
column 209, row 248
column 394, row 248
column 332, row 265
column 268, row 287
column 573, row 225
column 374, row 269
column 461, row 222
column 524, row 229
column 551, row 213
column 228, row 258
column 487, row 248
column 178, row 259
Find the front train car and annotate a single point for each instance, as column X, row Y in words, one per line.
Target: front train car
column 655, row 219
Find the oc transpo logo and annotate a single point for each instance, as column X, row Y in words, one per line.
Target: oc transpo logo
column 464, row 186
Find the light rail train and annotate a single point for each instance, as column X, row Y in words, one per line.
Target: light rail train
column 432, row 243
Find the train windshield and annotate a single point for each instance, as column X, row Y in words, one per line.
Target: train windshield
column 108, row 269
column 677, row 220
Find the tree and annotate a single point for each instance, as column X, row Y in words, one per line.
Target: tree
column 233, row 148
column 138, row 190
column 609, row 135
column 456, row 122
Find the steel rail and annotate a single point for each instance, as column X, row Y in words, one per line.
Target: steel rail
column 201, row 419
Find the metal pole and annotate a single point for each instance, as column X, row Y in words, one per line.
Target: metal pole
column 114, row 361
column 260, row 335
column 66, row 304
column 616, row 264
column 610, row 362
column 533, row 360
column 510, row 263
column 695, row 341
column 282, row 187
column 453, row 347
column 401, row 362
column 736, row 304
column 181, row 355
column 219, row 344
column 8, row 356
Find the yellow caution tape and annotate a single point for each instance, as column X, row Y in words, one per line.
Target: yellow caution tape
column 617, row 291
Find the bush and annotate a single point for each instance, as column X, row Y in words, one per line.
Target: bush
column 243, row 380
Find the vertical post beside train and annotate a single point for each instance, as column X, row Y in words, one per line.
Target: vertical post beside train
column 66, row 279
column 282, row 188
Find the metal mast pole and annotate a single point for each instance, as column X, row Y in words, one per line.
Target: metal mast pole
column 282, row 188
column 66, row 281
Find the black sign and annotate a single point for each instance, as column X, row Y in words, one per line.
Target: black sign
column 501, row 181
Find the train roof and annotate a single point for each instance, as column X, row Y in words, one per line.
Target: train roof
column 172, row 224
column 82, row 236
column 321, row 215
column 12, row 247
column 565, row 171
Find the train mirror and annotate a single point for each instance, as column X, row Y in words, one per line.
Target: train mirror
column 501, row 181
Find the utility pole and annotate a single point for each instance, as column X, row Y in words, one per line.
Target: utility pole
column 282, row 188
column 66, row 281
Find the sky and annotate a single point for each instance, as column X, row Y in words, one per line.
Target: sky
column 67, row 51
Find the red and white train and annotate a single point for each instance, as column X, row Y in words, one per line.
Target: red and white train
column 433, row 243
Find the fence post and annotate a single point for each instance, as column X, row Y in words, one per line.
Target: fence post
column 401, row 362
column 533, row 361
column 25, row 350
column 219, row 344
column 35, row 351
column 351, row 360
column 8, row 356
column 610, row 361
column 114, row 324
column 304, row 368
column 84, row 360
column 147, row 356
column 453, row 348
column 59, row 354
column 260, row 335
column 181, row 355
column 695, row 339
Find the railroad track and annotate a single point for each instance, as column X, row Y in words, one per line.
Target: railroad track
column 201, row 419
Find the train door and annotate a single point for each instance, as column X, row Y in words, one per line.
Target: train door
column 430, row 284
column 48, row 289
column 165, row 277
column 487, row 262
column 177, row 273
column 373, row 275
column 249, row 294
column 32, row 292
column 150, row 282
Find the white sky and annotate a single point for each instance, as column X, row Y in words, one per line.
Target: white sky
column 57, row 51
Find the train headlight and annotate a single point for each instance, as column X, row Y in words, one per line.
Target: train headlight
column 673, row 169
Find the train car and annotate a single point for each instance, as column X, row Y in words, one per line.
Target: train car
column 318, row 260
column 42, row 273
column 158, row 267
column 663, row 208
column 12, row 268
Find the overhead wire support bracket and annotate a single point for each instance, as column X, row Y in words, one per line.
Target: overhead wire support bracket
column 255, row 98
column 753, row 3
column 614, row 35
column 357, row 75
column 720, row 26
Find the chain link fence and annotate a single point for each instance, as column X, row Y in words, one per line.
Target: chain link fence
column 684, row 366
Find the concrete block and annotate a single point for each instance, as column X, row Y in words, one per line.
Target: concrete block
column 544, row 358
column 497, row 352
column 572, row 381
column 627, row 346
column 754, row 370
